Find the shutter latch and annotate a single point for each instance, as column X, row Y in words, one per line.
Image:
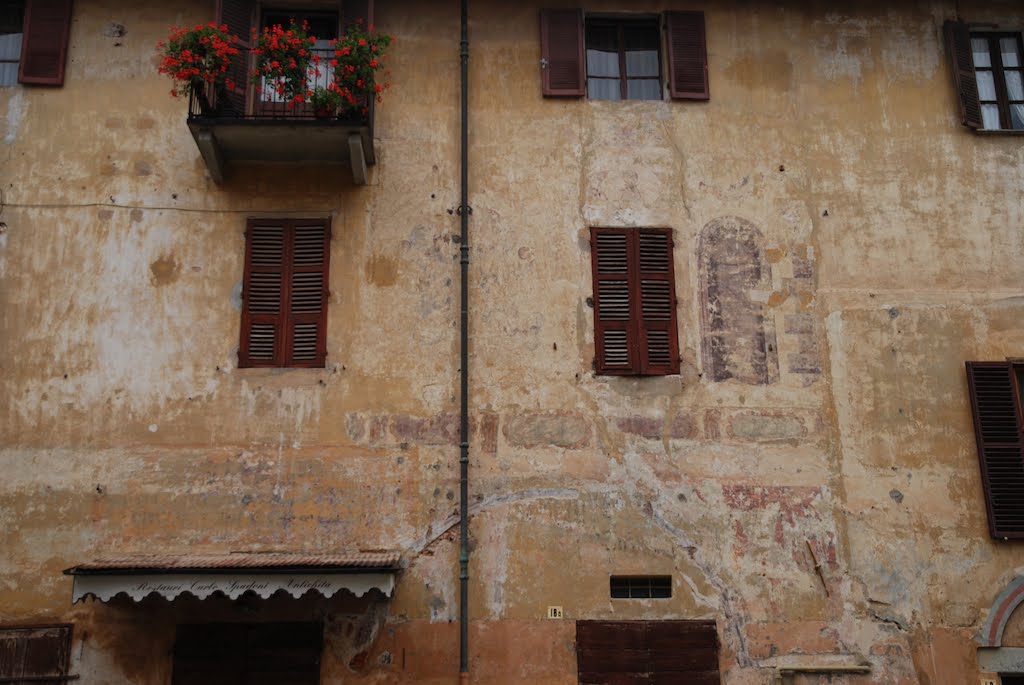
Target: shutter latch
column 543, row 63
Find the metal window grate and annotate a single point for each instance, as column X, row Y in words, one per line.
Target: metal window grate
column 641, row 587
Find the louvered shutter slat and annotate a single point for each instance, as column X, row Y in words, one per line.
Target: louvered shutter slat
column 563, row 72
column 238, row 16
column 615, row 331
column 262, row 318
column 658, row 346
column 687, row 56
column 307, row 304
column 961, row 59
column 997, row 429
column 44, row 45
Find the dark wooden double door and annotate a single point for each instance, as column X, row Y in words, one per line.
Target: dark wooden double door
column 647, row 653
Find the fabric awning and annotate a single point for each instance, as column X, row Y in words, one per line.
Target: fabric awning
column 233, row 575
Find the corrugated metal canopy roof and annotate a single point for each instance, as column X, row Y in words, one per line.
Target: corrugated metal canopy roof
column 250, row 562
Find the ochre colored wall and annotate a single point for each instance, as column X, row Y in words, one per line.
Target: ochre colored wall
column 887, row 248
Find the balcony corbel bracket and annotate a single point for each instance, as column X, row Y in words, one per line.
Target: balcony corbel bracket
column 212, row 154
column 358, row 157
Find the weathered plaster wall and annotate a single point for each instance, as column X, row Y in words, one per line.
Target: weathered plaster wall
column 866, row 245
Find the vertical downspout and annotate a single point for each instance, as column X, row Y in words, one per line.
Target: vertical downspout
column 464, row 211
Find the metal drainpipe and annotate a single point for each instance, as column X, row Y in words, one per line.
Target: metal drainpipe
column 464, row 212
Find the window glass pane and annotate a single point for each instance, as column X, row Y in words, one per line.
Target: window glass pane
column 8, row 73
column 12, row 15
column 642, row 63
column 603, row 37
column 1013, row 85
column 990, row 116
column 980, row 48
column 1011, row 56
column 603, row 89
column 10, row 47
column 643, row 37
column 1017, row 116
column 986, row 86
column 643, row 89
column 602, row 63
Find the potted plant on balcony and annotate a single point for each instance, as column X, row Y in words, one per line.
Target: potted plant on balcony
column 358, row 57
column 325, row 100
column 199, row 60
column 283, row 57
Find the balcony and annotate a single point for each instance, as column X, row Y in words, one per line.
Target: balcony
column 254, row 124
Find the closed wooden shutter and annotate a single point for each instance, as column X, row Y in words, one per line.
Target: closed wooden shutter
column 997, row 429
column 35, row 653
column 44, row 47
column 615, row 333
column 659, row 349
column 687, row 56
column 563, row 65
column 634, row 301
column 239, row 17
column 961, row 60
column 284, row 313
column 307, row 295
column 647, row 652
column 355, row 11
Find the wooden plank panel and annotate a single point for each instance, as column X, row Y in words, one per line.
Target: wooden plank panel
column 591, row 635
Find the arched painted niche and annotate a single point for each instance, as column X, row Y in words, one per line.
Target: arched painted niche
column 738, row 340
column 1001, row 638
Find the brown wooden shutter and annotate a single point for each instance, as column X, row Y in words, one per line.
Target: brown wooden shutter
column 961, row 60
column 239, row 17
column 644, row 652
column 355, row 11
column 263, row 286
column 563, row 64
column 615, row 331
column 306, row 341
column 284, row 291
column 35, row 652
column 687, row 56
column 997, row 429
column 659, row 348
column 44, row 47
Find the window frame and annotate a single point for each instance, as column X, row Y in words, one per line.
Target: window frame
column 620, row 22
column 13, row 6
column 283, row 355
column 998, row 71
column 682, row 49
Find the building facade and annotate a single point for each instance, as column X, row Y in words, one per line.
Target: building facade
column 727, row 264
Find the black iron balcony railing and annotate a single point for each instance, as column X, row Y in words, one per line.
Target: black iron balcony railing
column 261, row 101
column 253, row 122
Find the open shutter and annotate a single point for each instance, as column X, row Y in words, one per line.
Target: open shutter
column 44, row 47
column 34, row 653
column 961, row 60
column 356, row 11
column 238, row 16
column 687, row 56
column 659, row 349
column 997, row 430
column 563, row 64
column 615, row 331
column 263, row 294
column 307, row 295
